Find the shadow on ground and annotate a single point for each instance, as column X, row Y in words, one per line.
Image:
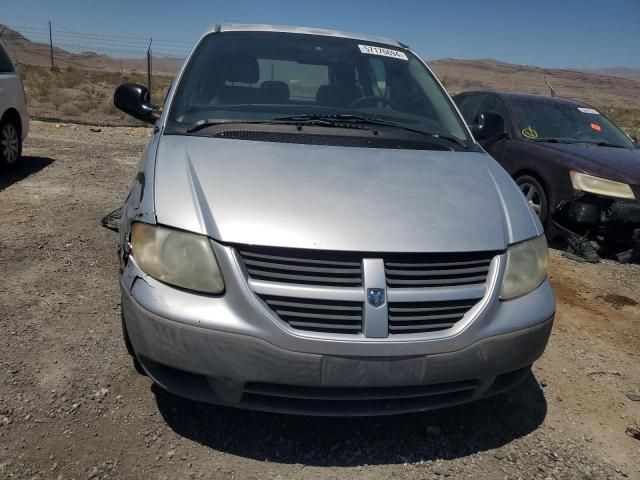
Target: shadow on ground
column 25, row 167
column 320, row 441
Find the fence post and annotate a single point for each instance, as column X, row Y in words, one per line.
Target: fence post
column 149, row 67
column 51, row 44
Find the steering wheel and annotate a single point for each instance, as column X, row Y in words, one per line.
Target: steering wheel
column 370, row 99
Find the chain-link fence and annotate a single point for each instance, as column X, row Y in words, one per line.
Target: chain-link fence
column 72, row 75
column 48, row 46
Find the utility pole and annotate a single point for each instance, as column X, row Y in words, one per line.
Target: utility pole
column 149, row 66
column 51, row 44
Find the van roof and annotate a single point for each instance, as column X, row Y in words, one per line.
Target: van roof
column 243, row 27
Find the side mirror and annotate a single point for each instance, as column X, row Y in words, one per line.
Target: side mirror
column 134, row 99
column 635, row 139
column 490, row 126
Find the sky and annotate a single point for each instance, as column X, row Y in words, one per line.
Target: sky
column 545, row 33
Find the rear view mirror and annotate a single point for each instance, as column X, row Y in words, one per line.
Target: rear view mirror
column 490, row 126
column 134, row 99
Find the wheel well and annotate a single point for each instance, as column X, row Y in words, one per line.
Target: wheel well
column 533, row 174
column 12, row 115
column 551, row 204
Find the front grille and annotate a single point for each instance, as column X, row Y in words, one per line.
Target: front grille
column 437, row 269
column 303, row 267
column 318, row 315
column 282, row 271
column 421, row 317
column 356, row 400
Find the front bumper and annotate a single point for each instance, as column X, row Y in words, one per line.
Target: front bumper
column 322, row 377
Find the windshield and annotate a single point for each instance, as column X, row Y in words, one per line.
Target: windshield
column 566, row 122
column 262, row 76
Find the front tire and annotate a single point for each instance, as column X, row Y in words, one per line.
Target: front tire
column 536, row 196
column 10, row 143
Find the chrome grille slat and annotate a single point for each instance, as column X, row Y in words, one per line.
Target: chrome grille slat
column 324, row 316
column 428, row 309
column 324, row 327
column 298, row 260
column 328, row 316
column 409, row 318
column 321, row 280
column 435, row 265
column 303, row 268
column 437, row 273
column 422, row 317
column 318, row 306
column 420, row 328
column 434, row 282
column 425, row 270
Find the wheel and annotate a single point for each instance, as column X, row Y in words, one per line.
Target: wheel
column 536, row 195
column 129, row 346
column 10, row 143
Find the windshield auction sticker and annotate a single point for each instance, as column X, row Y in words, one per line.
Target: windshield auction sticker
column 385, row 52
column 589, row 110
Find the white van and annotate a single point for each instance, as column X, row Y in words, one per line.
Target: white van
column 14, row 117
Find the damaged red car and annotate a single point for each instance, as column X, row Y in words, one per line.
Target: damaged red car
column 578, row 170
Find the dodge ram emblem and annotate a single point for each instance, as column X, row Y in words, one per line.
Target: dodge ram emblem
column 375, row 296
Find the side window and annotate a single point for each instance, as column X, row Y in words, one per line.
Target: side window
column 5, row 61
column 468, row 105
column 493, row 104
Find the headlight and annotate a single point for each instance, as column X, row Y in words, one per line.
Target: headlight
column 526, row 267
column 601, row 186
column 179, row 258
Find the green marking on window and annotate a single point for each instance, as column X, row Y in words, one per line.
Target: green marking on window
column 529, row 133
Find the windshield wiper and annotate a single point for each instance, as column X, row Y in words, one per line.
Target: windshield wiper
column 574, row 142
column 553, row 140
column 328, row 120
column 606, row 144
column 341, row 119
column 202, row 124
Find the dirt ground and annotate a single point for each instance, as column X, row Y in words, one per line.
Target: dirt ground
column 72, row 405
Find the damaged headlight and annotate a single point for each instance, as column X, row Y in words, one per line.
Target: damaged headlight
column 600, row 186
column 176, row 257
column 526, row 267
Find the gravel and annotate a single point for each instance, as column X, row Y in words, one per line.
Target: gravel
column 73, row 406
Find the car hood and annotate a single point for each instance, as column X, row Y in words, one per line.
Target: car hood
column 338, row 198
column 619, row 164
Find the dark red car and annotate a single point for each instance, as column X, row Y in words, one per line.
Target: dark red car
column 579, row 171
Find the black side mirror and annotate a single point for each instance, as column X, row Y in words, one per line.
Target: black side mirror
column 635, row 139
column 490, row 126
column 134, row 99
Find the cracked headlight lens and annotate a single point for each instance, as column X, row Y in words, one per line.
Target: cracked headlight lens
column 178, row 258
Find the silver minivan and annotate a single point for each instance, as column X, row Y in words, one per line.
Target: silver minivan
column 313, row 229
